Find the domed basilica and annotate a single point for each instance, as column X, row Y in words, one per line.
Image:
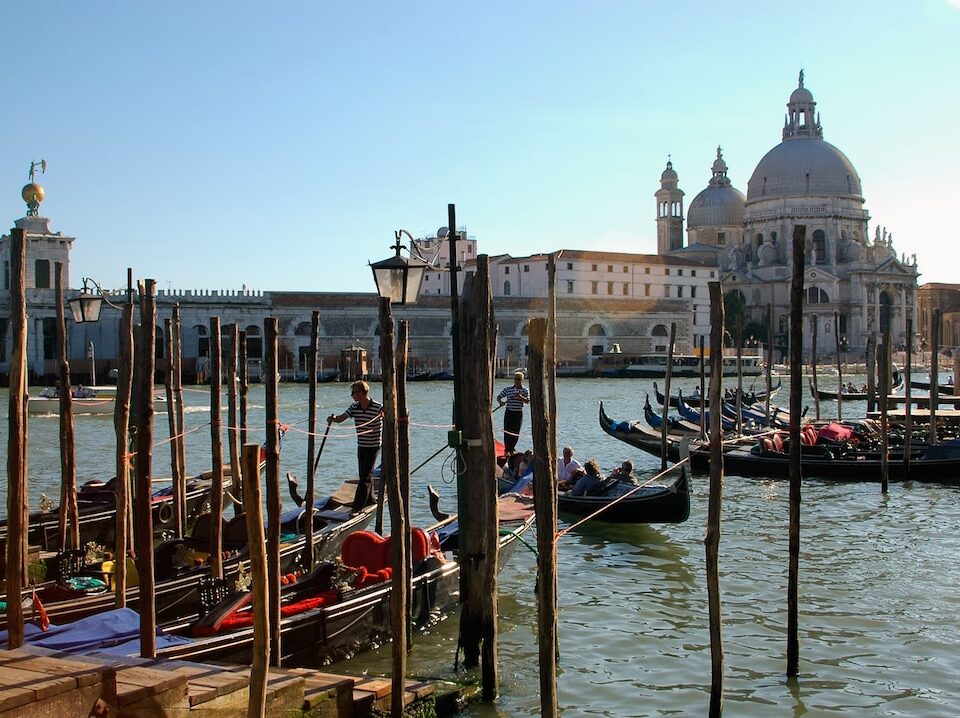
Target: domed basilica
column 806, row 181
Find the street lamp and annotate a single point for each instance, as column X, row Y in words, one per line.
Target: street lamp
column 399, row 278
column 86, row 306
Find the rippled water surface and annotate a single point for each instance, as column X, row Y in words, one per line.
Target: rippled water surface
column 879, row 576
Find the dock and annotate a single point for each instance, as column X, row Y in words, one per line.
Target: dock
column 41, row 682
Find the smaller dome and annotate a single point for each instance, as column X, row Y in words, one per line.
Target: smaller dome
column 716, row 206
column 669, row 173
column 32, row 193
column 801, row 96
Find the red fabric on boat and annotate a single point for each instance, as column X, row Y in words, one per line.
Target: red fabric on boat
column 514, row 508
column 836, row 432
column 366, row 549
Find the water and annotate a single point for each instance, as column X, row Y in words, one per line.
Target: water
column 879, row 575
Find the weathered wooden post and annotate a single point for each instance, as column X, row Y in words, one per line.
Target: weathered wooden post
column 813, row 368
column 216, row 450
column 665, row 424
column 956, row 372
column 545, row 504
column 711, row 539
column 121, row 427
column 181, row 440
column 550, row 348
column 178, row 486
column 233, row 429
column 244, row 386
column 479, row 542
column 390, row 485
column 836, row 341
column 871, row 360
column 766, row 404
column 934, row 374
column 68, row 528
column 271, row 382
column 703, row 390
column 258, row 582
column 311, row 439
column 884, row 393
column 17, row 440
column 146, row 358
column 403, row 466
column 796, row 388
column 739, row 331
column 908, row 404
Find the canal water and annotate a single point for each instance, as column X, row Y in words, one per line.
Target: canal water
column 879, row 575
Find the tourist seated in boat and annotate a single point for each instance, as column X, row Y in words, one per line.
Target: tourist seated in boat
column 589, row 480
column 566, row 466
column 83, row 392
column 575, row 476
column 624, row 472
column 518, row 464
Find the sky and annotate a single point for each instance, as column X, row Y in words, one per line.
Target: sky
column 278, row 146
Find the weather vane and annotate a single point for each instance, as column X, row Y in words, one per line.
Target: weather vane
column 42, row 164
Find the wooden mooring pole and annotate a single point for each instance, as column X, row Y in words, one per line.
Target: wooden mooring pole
column 121, row 428
column 665, row 409
column 146, row 358
column 711, row 539
column 796, row 389
column 739, row 331
column 242, row 374
column 216, row 451
column 884, row 428
column 68, row 527
column 766, row 403
column 813, row 366
column 178, row 486
column 253, row 508
column 181, row 439
column 271, row 381
column 836, row 343
column 233, row 426
column 908, row 405
column 403, row 468
column 17, row 436
column 478, row 615
column 934, row 374
column 871, row 361
column 545, row 503
column 703, row 389
column 311, row 439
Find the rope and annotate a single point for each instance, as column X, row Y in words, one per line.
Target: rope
column 632, row 491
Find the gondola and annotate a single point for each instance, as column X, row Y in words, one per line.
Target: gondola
column 693, row 416
column 676, row 425
column 854, row 395
column 695, row 400
column 639, row 436
column 72, row 597
column 642, row 504
column 332, row 614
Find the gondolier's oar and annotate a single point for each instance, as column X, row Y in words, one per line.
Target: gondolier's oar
column 320, row 452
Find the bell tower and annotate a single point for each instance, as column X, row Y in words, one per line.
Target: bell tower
column 669, row 212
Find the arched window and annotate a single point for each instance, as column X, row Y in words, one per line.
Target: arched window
column 773, row 238
column 757, row 240
column 506, row 288
column 660, row 331
column 254, row 342
column 815, row 295
column 303, row 329
column 597, row 330
column 203, row 343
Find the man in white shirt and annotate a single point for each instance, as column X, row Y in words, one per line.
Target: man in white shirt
column 566, row 467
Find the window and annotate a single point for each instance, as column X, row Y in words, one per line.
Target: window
column 626, row 269
column 593, row 287
column 506, row 270
column 41, row 275
column 526, row 267
column 693, row 272
column 660, row 330
column 569, row 286
column 815, row 295
column 646, row 270
column 666, row 290
column 609, row 267
column 49, row 329
column 711, row 274
column 3, row 339
column 679, row 272
column 254, row 342
column 6, row 276
column 773, row 238
column 721, row 237
column 609, row 287
column 679, row 290
column 506, row 288
column 693, row 292
column 626, row 289
column 594, row 267
column 646, row 290
column 203, row 343
column 569, row 265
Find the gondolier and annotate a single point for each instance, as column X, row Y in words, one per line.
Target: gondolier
column 368, row 417
column 515, row 397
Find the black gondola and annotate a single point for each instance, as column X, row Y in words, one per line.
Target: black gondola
column 639, row 504
column 695, row 400
column 854, row 395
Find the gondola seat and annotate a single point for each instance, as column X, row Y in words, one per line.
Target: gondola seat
column 369, row 554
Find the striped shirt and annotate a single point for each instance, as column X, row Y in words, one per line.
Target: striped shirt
column 368, row 422
column 513, row 396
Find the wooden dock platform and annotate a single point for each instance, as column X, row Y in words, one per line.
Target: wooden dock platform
column 39, row 682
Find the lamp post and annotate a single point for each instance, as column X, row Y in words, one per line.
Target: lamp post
column 398, row 281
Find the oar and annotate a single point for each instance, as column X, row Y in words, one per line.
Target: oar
column 320, row 452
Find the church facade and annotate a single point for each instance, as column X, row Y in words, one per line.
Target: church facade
column 855, row 286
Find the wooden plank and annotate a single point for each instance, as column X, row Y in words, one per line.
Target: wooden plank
column 379, row 687
column 83, row 673
column 136, row 683
column 43, row 685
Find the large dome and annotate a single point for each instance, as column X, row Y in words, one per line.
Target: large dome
column 716, row 207
column 801, row 166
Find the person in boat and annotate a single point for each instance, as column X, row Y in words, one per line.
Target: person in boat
column 367, row 417
column 515, row 397
column 575, row 476
column 624, row 472
column 590, row 478
column 566, row 466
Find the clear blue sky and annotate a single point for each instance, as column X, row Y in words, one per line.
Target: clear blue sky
column 278, row 145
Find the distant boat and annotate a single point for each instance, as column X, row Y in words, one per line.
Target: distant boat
column 652, row 366
column 85, row 400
